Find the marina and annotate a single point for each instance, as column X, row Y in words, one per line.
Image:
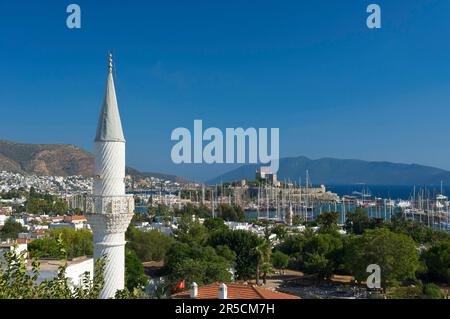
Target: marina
column 274, row 201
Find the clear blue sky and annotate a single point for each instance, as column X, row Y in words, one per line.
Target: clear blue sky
column 311, row 68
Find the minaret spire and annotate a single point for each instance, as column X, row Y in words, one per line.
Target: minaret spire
column 109, row 127
column 110, row 65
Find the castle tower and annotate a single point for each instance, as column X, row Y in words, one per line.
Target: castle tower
column 110, row 210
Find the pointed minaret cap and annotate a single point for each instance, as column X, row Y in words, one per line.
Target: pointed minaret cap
column 109, row 128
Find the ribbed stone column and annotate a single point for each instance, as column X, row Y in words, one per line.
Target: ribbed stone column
column 109, row 243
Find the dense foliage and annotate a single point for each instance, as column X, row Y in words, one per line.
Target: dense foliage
column 76, row 243
column 195, row 263
column 18, row 283
column 134, row 271
column 280, row 260
column 45, row 203
column 11, row 229
column 243, row 243
column 231, row 213
column 149, row 245
column 437, row 261
column 396, row 254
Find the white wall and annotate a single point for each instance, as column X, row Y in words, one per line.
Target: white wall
column 75, row 272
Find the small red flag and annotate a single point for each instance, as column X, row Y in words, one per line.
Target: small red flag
column 180, row 285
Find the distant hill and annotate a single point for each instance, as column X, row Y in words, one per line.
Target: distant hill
column 57, row 160
column 333, row 171
column 173, row 178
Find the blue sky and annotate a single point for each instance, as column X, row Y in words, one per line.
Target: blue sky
column 311, row 68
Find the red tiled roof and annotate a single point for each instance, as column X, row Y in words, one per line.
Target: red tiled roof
column 153, row 264
column 39, row 232
column 235, row 291
column 73, row 218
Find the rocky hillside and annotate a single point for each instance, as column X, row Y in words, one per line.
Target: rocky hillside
column 45, row 159
column 57, row 160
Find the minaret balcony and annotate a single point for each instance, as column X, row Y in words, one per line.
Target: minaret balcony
column 122, row 204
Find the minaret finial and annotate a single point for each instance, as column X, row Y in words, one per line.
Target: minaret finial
column 110, row 62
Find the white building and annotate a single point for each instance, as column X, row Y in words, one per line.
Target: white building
column 75, row 271
column 239, row 226
column 3, row 219
column 21, row 221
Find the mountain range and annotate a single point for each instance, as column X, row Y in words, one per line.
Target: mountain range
column 65, row 160
column 57, row 160
column 331, row 171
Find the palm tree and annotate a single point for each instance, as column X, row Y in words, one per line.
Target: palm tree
column 263, row 253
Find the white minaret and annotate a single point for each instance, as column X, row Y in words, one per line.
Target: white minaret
column 289, row 216
column 110, row 210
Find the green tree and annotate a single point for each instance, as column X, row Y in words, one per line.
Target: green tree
column 437, row 260
column 280, row 231
column 328, row 222
column 60, row 206
column 242, row 243
column 11, row 229
column 194, row 263
column 227, row 253
column 319, row 264
column 148, row 245
column 45, row 203
column 44, row 248
column 396, row 255
column 76, row 243
column 231, row 213
column 357, row 222
column 203, row 211
column 161, row 211
column 293, row 246
column 280, row 260
column 263, row 253
column 323, row 254
column 134, row 271
column 213, row 224
column 141, row 217
column 191, row 231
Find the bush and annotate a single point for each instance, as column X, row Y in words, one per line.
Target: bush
column 280, row 260
column 432, row 291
